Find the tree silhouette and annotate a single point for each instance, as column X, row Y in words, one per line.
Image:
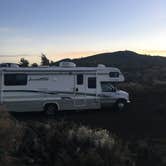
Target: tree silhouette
column 23, row 62
column 44, row 60
column 34, row 65
column 52, row 63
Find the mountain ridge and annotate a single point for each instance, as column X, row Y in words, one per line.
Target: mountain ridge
column 136, row 67
column 122, row 59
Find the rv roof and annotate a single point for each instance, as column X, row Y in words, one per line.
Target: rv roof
column 47, row 69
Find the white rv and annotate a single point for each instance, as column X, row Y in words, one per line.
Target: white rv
column 66, row 87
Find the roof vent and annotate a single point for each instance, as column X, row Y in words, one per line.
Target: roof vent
column 101, row 66
column 67, row 64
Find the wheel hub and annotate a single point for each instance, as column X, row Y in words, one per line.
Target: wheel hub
column 120, row 105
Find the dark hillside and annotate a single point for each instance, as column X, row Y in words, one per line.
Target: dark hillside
column 123, row 59
column 136, row 67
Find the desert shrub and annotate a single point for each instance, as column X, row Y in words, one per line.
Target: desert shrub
column 145, row 153
column 63, row 144
column 98, row 138
column 10, row 130
column 10, row 137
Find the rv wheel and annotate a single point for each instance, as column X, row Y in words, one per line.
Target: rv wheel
column 120, row 105
column 50, row 109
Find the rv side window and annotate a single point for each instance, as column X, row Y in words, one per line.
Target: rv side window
column 114, row 74
column 15, row 79
column 79, row 79
column 92, row 82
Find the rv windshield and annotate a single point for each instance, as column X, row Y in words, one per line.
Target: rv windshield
column 107, row 87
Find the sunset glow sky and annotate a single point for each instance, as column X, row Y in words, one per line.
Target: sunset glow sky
column 77, row 28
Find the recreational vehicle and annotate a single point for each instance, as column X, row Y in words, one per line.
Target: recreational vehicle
column 65, row 87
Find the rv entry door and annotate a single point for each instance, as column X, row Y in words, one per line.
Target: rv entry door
column 80, row 91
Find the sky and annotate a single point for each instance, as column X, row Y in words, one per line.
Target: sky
column 77, row 28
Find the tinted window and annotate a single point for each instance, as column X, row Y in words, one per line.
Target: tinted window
column 79, row 79
column 114, row 74
column 107, row 87
column 92, row 82
column 15, row 79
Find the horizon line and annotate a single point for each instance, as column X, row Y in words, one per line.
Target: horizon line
column 78, row 54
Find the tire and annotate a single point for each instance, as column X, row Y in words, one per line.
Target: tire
column 120, row 105
column 50, row 109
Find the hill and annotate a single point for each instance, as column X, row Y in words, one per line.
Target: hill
column 136, row 67
column 122, row 59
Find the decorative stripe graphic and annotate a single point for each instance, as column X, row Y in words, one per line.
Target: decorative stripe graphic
column 56, row 92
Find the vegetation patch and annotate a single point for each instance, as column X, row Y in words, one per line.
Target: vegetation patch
column 65, row 143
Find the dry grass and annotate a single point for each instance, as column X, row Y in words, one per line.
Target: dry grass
column 10, row 137
column 64, row 143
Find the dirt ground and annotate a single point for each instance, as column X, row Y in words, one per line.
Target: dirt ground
column 127, row 124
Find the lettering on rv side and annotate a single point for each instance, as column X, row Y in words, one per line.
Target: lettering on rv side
column 38, row 79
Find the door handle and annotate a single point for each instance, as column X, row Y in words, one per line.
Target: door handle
column 76, row 89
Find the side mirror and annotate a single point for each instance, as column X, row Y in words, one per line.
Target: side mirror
column 114, row 89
